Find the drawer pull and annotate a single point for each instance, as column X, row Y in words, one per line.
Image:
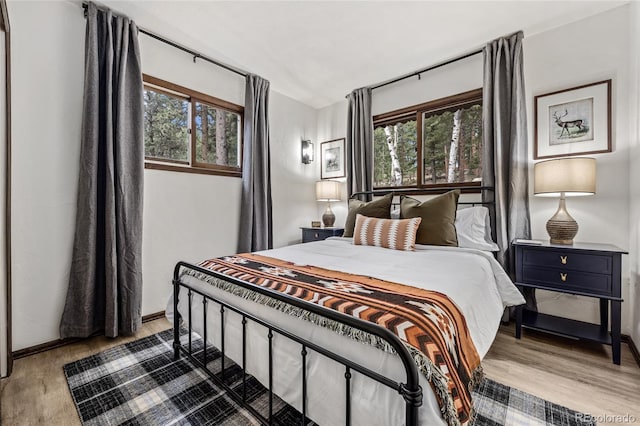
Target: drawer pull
column 563, row 277
column 316, row 235
column 563, row 260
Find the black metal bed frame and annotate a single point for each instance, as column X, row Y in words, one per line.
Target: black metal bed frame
column 411, row 391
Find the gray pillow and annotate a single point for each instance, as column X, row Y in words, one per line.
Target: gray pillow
column 438, row 218
column 380, row 208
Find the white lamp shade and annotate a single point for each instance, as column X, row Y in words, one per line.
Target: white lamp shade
column 571, row 176
column 328, row 190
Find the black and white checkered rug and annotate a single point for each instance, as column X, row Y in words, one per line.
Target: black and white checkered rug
column 139, row 383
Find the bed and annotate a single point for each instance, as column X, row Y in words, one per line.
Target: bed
column 330, row 365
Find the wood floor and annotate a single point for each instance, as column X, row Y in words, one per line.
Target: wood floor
column 578, row 375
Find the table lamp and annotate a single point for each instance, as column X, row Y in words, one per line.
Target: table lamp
column 564, row 177
column 328, row 190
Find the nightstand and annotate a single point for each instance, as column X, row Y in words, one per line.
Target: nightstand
column 584, row 269
column 319, row 234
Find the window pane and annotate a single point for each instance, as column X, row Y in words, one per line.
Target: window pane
column 217, row 133
column 452, row 146
column 395, row 162
column 166, row 123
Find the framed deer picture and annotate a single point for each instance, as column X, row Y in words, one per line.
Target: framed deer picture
column 573, row 121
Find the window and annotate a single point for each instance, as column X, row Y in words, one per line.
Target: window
column 189, row 131
column 436, row 143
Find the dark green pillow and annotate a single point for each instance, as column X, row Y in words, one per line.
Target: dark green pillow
column 380, row 208
column 438, row 218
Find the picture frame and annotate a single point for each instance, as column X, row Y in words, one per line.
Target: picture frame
column 333, row 159
column 573, row 121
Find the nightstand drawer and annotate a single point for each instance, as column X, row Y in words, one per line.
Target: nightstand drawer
column 567, row 260
column 319, row 234
column 564, row 280
column 313, row 235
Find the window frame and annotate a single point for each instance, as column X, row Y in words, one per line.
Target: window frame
column 193, row 97
column 417, row 112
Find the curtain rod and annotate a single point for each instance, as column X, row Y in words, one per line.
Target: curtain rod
column 429, row 68
column 432, row 67
column 196, row 55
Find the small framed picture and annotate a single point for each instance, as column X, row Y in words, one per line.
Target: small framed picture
column 332, row 159
column 574, row 121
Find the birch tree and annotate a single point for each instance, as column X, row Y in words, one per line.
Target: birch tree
column 204, row 142
column 392, row 145
column 453, row 150
column 222, row 152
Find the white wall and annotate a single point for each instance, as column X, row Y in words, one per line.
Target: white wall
column 47, row 73
column 332, row 124
column 3, row 157
column 604, row 217
column 292, row 183
column 186, row 216
column 458, row 77
column 634, row 175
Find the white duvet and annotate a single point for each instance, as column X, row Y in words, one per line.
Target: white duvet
column 473, row 279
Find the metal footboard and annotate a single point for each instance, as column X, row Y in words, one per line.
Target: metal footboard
column 410, row 391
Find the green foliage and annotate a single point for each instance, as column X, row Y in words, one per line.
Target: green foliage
column 437, row 132
column 209, row 152
column 166, row 136
column 166, row 121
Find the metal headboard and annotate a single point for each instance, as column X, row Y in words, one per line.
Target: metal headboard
column 427, row 191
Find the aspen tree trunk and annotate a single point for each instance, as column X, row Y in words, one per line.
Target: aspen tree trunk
column 392, row 144
column 204, row 141
column 453, row 150
column 222, row 153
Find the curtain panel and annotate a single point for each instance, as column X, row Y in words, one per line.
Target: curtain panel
column 360, row 142
column 505, row 152
column 105, row 283
column 256, row 224
column 505, row 142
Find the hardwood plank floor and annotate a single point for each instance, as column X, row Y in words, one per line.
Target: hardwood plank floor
column 578, row 375
column 37, row 392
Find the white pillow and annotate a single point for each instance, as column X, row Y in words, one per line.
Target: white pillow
column 473, row 227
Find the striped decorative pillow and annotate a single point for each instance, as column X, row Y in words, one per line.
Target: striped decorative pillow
column 397, row 234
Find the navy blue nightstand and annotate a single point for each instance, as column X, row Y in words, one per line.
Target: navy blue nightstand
column 318, row 234
column 592, row 270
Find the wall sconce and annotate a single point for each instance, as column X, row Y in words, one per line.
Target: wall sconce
column 307, row 152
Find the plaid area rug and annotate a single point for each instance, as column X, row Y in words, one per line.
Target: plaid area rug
column 139, row 383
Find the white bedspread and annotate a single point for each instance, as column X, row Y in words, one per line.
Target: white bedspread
column 471, row 278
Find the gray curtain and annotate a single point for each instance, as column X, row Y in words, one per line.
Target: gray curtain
column 360, row 142
column 256, row 231
column 505, row 145
column 105, row 283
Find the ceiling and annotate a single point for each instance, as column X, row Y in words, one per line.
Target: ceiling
column 318, row 51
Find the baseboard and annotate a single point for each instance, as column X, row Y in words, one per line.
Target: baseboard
column 634, row 349
column 47, row 346
column 152, row 317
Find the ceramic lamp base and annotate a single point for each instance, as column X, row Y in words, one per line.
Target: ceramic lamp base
column 562, row 228
column 328, row 218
